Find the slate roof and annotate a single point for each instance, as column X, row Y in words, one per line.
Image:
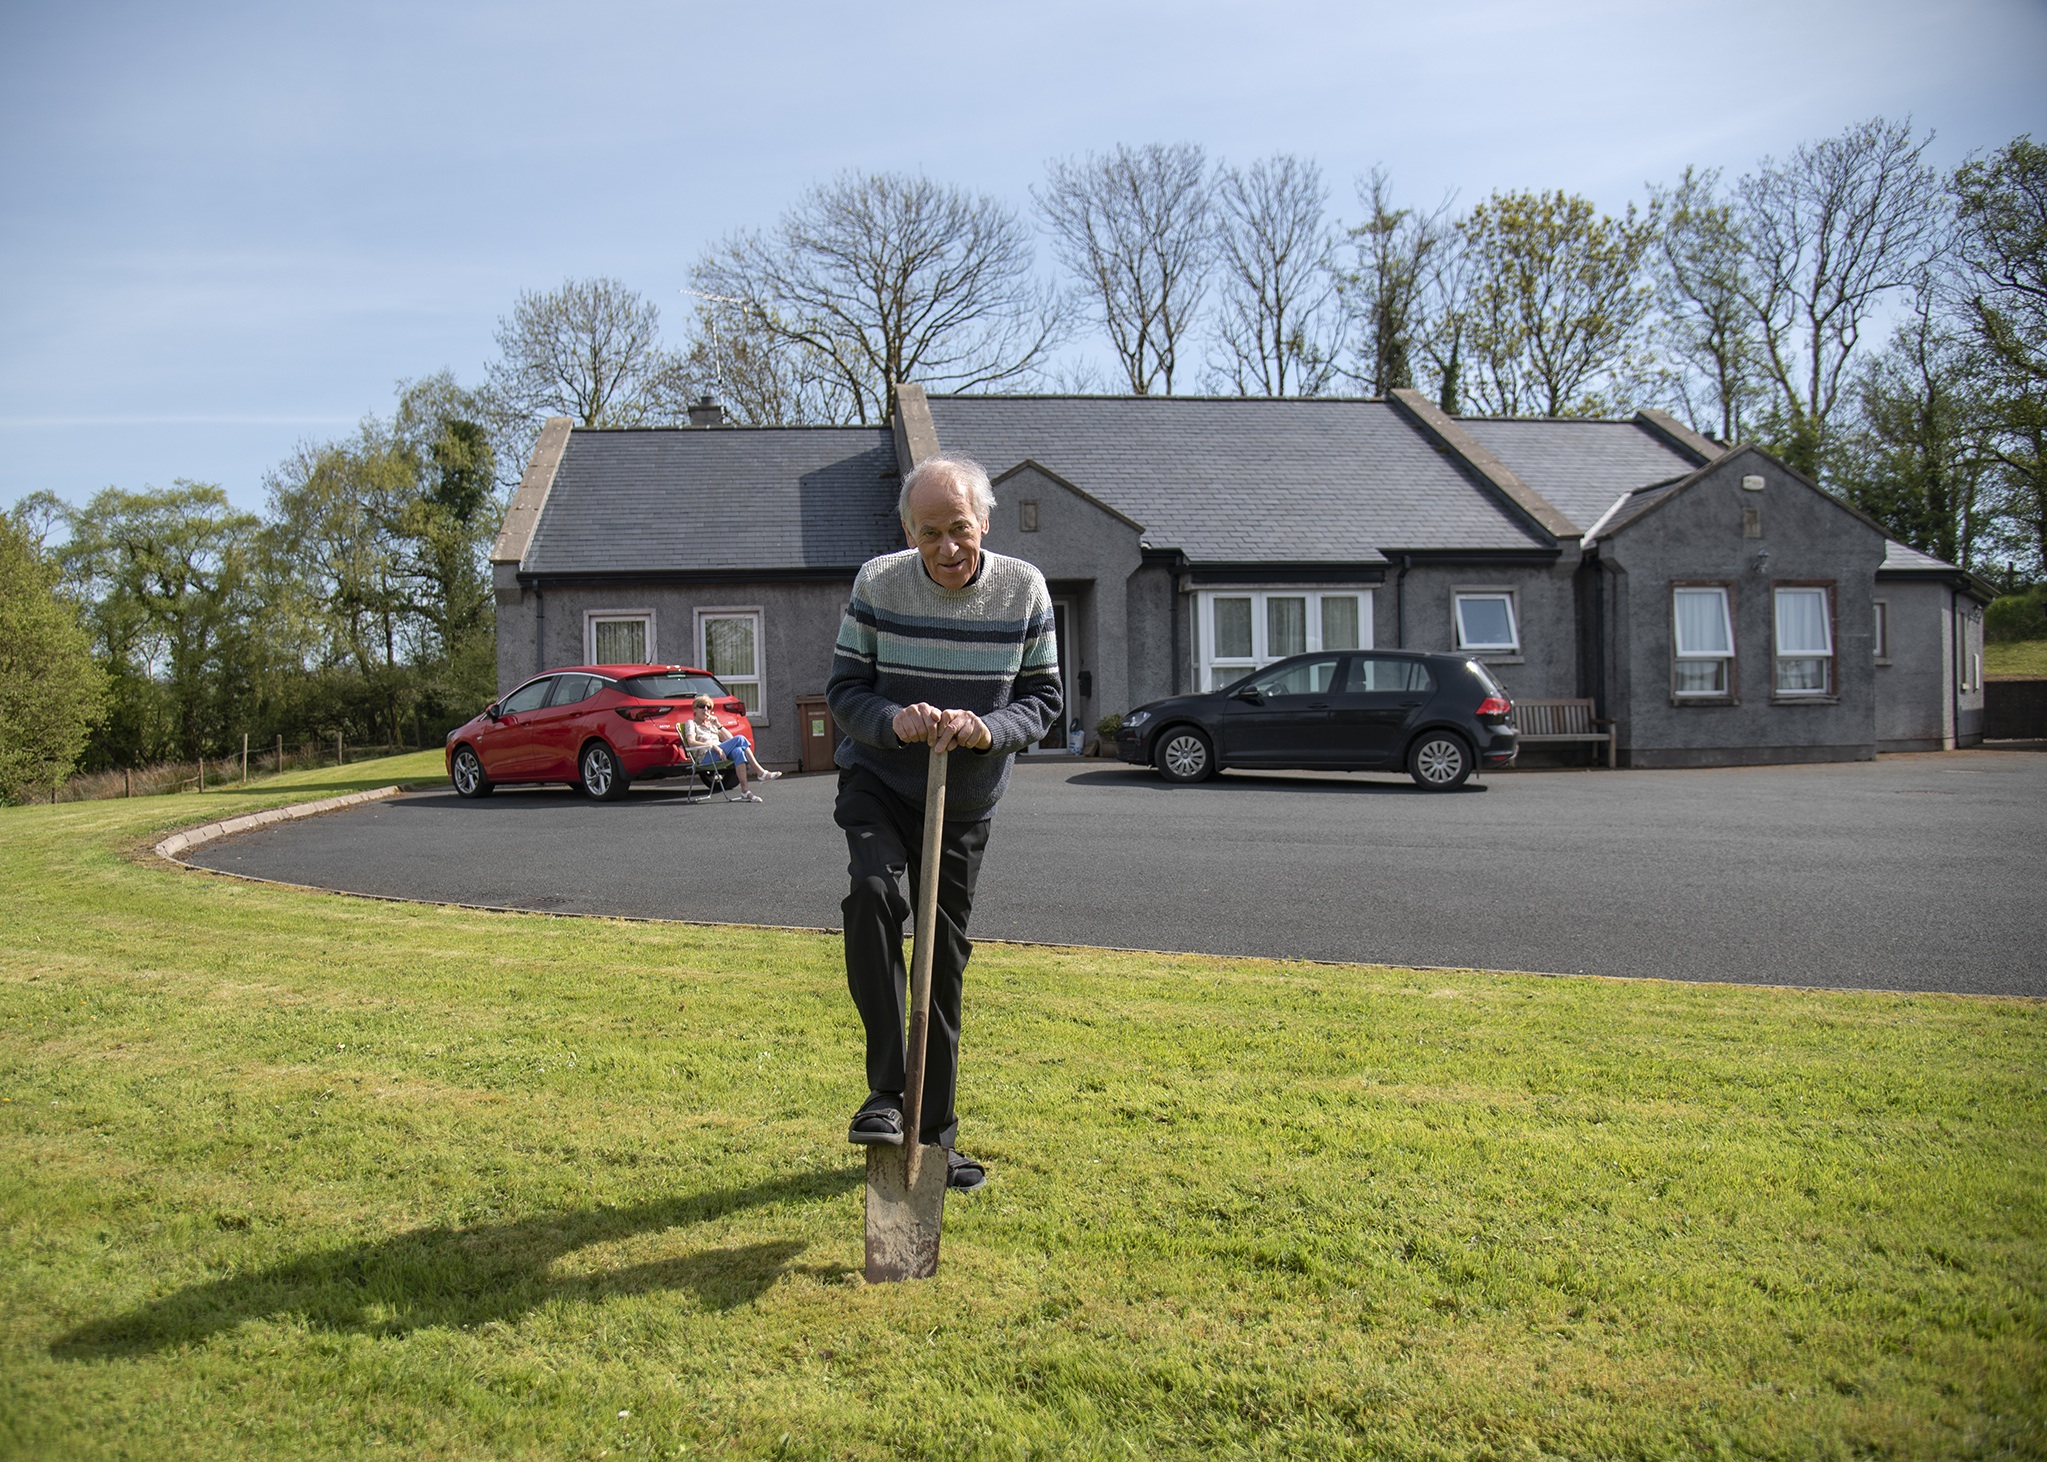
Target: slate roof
column 1898, row 558
column 1204, row 474
column 660, row 499
column 1580, row 466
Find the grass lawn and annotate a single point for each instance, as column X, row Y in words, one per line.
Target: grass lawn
column 2025, row 657
column 287, row 1175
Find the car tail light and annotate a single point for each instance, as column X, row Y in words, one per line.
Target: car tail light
column 642, row 713
column 1494, row 705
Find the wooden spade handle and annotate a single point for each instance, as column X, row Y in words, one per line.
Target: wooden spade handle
column 920, row 962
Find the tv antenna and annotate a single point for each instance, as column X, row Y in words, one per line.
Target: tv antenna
column 717, row 346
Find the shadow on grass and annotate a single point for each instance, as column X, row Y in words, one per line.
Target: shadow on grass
column 451, row 1278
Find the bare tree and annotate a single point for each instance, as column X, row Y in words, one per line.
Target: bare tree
column 884, row 278
column 1705, row 327
column 1280, row 327
column 590, row 350
column 1135, row 227
column 1829, row 232
column 1401, row 257
column 758, row 374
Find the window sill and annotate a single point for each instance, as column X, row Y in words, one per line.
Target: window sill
column 1492, row 657
column 1779, row 698
column 1705, row 700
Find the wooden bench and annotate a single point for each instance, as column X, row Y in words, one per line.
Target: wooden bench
column 1562, row 719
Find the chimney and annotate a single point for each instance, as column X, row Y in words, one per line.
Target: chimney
column 707, row 413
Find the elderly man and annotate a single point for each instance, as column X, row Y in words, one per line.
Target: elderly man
column 944, row 646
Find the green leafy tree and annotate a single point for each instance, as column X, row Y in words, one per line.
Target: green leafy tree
column 1558, row 295
column 1916, row 459
column 52, row 692
column 1705, row 331
column 2001, row 288
column 168, row 576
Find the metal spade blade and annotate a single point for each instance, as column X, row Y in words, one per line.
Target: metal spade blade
column 903, row 1221
column 906, row 1185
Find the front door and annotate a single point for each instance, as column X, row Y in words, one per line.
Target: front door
column 506, row 747
column 1055, row 739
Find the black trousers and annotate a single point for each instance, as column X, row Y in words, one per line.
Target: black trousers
column 885, row 840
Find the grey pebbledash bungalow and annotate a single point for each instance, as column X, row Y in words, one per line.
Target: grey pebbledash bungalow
column 1715, row 605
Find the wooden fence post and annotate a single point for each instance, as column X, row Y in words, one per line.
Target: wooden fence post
column 337, row 748
column 127, row 781
column 202, row 771
column 280, row 753
column 245, row 758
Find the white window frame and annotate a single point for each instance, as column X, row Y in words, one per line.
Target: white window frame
column 593, row 617
column 1680, row 655
column 1880, row 609
column 1508, row 597
column 1778, row 655
column 757, row 705
column 1211, row 675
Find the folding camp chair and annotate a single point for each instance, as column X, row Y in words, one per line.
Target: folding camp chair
column 710, row 771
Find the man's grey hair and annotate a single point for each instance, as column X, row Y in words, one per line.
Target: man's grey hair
column 960, row 472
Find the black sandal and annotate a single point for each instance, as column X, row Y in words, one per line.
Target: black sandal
column 963, row 1174
column 879, row 1121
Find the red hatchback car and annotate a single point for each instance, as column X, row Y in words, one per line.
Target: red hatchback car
column 598, row 727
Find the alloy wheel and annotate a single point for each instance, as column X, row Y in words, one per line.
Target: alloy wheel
column 598, row 771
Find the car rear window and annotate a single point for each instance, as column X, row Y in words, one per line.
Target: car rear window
column 671, row 685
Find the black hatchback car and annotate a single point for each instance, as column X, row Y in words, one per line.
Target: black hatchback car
column 1437, row 717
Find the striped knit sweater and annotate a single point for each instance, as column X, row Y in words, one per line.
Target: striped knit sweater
column 987, row 648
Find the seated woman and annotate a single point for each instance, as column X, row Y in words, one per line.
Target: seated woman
column 704, row 729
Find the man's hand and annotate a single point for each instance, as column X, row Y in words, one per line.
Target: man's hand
column 943, row 729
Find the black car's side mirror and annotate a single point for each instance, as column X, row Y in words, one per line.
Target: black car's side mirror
column 1250, row 693
column 493, row 710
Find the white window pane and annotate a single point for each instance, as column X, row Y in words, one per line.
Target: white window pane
column 619, row 641
column 1339, row 621
column 1802, row 622
column 1702, row 627
column 1702, row 677
column 728, row 646
column 1233, row 629
column 1802, row 675
column 1485, row 622
column 1286, row 626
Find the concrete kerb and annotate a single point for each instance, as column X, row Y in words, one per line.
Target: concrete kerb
column 192, row 837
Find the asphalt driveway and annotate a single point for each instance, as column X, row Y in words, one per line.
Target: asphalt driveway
column 1909, row 873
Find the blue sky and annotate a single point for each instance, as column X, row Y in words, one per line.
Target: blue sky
column 231, row 227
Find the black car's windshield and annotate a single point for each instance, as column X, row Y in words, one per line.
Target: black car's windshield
column 671, row 685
